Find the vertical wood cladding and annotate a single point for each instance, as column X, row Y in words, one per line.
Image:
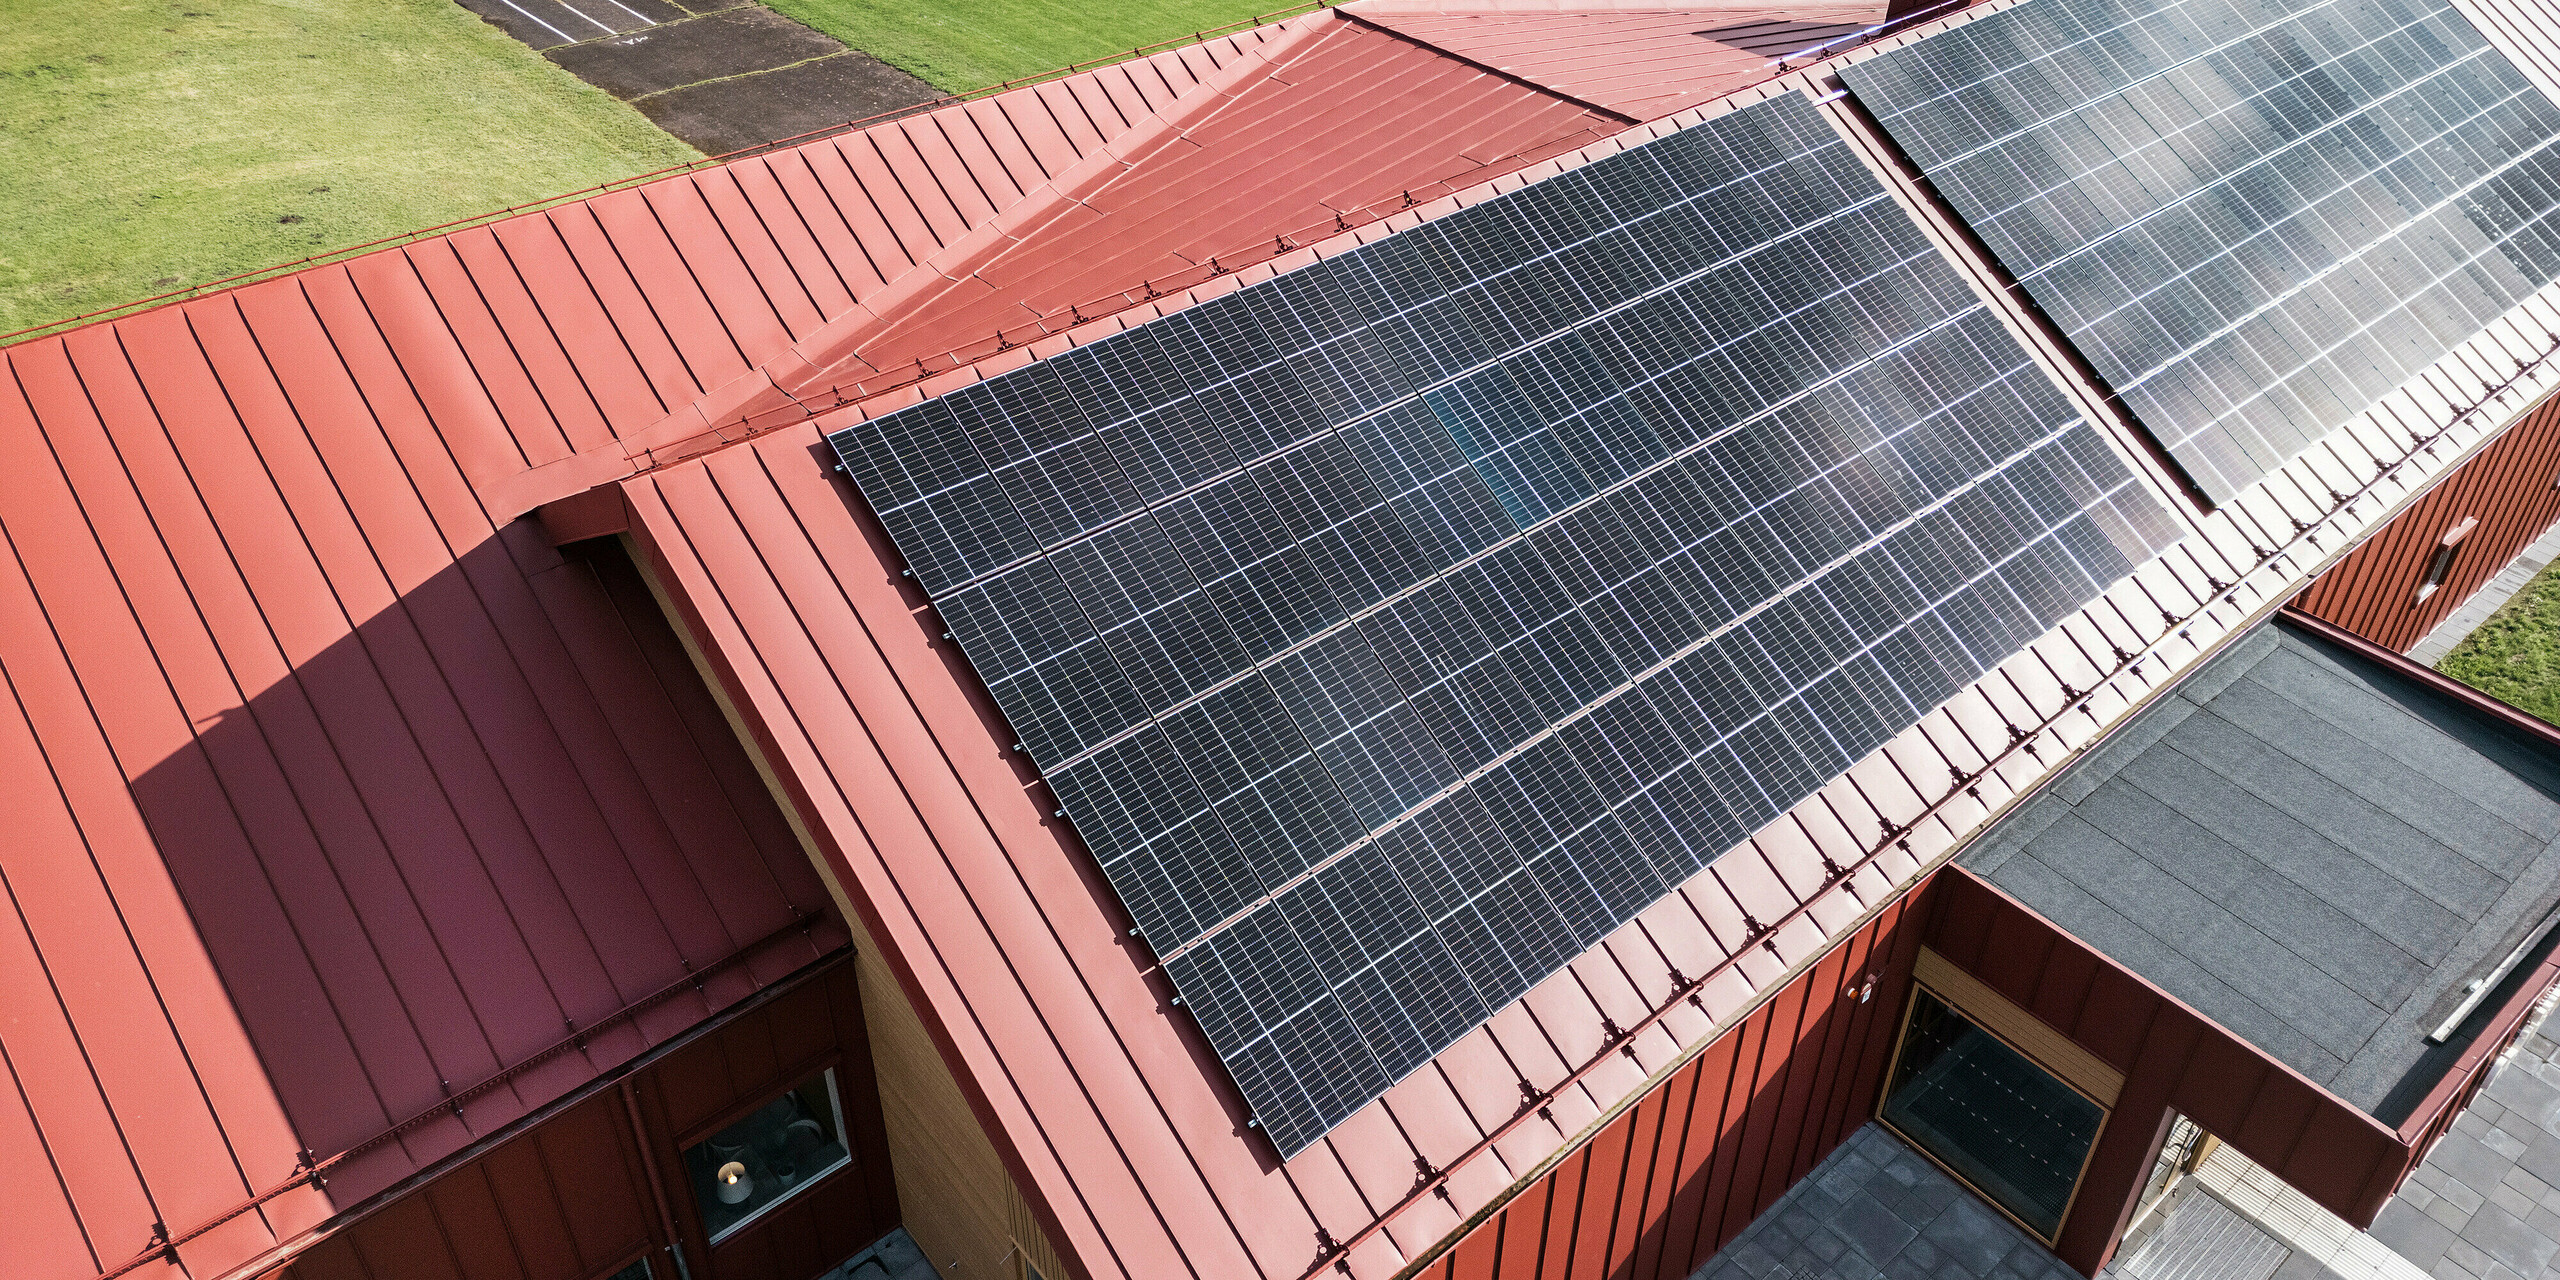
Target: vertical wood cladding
column 571, row 1199
column 1659, row 1189
column 2508, row 487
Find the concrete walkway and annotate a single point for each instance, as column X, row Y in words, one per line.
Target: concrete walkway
column 2432, row 647
column 719, row 74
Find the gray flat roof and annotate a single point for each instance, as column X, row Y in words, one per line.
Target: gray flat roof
column 2310, row 847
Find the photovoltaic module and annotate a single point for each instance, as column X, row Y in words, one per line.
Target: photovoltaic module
column 1393, row 629
column 2254, row 218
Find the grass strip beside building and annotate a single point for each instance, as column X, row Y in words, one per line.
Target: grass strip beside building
column 158, row 144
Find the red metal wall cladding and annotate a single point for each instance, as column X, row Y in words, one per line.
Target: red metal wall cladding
column 1659, row 1189
column 2171, row 1057
column 2512, row 488
column 571, row 1199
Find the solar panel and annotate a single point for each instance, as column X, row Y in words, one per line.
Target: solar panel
column 1393, row 629
column 2253, row 217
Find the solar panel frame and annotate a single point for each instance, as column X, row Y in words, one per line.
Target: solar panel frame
column 1458, row 595
column 2253, row 220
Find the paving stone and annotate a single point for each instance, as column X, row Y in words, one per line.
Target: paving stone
column 2444, row 1212
column 1973, row 1235
column 2300, row 1266
column 2544, row 1222
column 1872, row 1229
column 1935, row 1196
column 2465, row 1157
column 2503, row 1142
column 2541, row 1158
column 2412, row 1235
column 1750, row 1259
column 2512, row 1200
column 1885, row 1213
column 2506, row 1239
column 1841, row 1176
column 2468, row 1255
column 2463, row 1199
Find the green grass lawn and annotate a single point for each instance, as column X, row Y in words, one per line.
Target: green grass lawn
column 960, row 45
column 148, row 145
column 2515, row 656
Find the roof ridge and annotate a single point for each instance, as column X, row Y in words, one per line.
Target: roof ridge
column 803, row 363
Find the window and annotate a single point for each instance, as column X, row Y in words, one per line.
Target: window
column 2441, row 563
column 638, row 1270
column 2010, row 1129
column 778, row 1151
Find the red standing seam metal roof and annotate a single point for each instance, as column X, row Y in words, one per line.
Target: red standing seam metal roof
column 1114, row 1109
column 340, row 789
column 369, row 794
column 1642, row 63
column 334, row 798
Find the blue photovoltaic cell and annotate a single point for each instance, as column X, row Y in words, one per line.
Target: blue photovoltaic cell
column 2253, row 217
column 1393, row 629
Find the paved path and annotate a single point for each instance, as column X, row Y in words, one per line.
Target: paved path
column 1875, row 1208
column 2485, row 1205
column 719, row 74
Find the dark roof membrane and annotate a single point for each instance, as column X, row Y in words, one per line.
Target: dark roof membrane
column 2312, row 849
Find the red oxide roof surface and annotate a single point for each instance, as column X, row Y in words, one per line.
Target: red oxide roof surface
column 1642, row 63
column 341, row 789
column 334, row 796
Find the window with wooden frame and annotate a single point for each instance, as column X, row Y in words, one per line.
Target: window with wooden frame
column 2440, row 564
column 2003, row 1103
column 776, row 1152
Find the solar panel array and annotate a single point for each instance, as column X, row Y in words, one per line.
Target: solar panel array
column 2253, row 217
column 1393, row 629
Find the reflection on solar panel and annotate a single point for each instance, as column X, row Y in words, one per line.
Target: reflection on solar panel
column 1395, row 628
column 2254, row 217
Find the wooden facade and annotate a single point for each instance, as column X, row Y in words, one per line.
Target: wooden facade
column 2510, row 489
column 599, row 1184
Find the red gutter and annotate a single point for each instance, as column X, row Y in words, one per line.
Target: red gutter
column 657, row 1184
